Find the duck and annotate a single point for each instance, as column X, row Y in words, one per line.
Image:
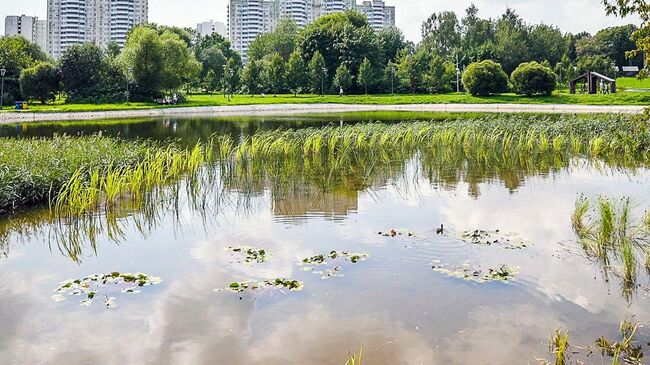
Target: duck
column 441, row 230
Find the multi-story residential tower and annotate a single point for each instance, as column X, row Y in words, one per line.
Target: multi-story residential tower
column 98, row 21
column 30, row 27
column 249, row 18
column 207, row 28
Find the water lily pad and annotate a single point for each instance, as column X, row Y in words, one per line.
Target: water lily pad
column 336, row 258
column 249, row 255
column 240, row 287
column 93, row 286
column 396, row 233
column 476, row 273
column 488, row 238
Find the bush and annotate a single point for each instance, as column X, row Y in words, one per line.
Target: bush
column 532, row 78
column 485, row 78
column 40, row 82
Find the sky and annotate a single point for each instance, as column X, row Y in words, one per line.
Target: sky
column 570, row 15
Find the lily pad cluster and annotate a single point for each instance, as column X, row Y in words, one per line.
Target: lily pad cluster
column 240, row 287
column 396, row 233
column 476, row 273
column 488, row 238
column 250, row 255
column 335, row 257
column 103, row 286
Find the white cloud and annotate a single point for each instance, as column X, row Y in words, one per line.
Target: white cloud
column 571, row 16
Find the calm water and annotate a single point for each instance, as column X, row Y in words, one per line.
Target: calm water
column 392, row 303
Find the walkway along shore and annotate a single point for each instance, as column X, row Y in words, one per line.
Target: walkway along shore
column 288, row 109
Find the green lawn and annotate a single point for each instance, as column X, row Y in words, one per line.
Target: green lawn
column 633, row 83
column 560, row 97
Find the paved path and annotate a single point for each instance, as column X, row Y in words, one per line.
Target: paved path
column 287, row 109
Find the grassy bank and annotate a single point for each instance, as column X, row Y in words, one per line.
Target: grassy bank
column 33, row 170
column 199, row 100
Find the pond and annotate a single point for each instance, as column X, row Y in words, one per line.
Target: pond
column 416, row 255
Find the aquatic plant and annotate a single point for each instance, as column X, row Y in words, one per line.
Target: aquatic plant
column 250, row 255
column 280, row 283
column 475, row 273
column 624, row 349
column 335, row 257
column 559, row 346
column 488, row 238
column 354, row 359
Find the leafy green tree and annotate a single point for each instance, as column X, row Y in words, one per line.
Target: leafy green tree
column 439, row 76
column 143, row 55
column 547, row 43
column 40, row 82
column 511, row 41
column 411, row 69
column 16, row 54
column 318, row 73
column 296, row 73
column 532, row 78
column 81, row 68
column 276, row 74
column 600, row 64
column 441, row 33
column 179, row 65
column 231, row 78
column 485, row 78
column 211, row 82
column 477, row 41
column 343, row 78
column 641, row 36
column 283, row 40
column 366, row 77
column 252, row 77
column 391, row 42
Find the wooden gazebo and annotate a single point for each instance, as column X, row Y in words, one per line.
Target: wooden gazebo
column 592, row 79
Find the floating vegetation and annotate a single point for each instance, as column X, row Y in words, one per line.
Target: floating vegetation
column 476, row 273
column 336, row 257
column 98, row 285
column 240, row 287
column 489, row 238
column 626, row 348
column 396, row 233
column 609, row 235
column 250, row 255
column 559, row 346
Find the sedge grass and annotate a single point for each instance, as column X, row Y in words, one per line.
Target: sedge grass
column 559, row 346
column 354, row 359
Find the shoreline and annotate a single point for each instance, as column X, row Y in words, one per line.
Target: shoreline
column 292, row 109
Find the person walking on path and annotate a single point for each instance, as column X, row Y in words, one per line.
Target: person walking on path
column 341, row 92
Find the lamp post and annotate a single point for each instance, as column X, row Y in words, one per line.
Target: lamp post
column 2, row 87
column 322, row 82
column 392, row 80
column 457, row 74
column 128, row 79
column 559, row 67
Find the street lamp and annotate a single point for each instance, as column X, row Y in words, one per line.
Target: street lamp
column 392, row 80
column 559, row 67
column 2, row 88
column 128, row 79
column 322, row 82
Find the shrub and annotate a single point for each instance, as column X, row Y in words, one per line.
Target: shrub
column 532, row 78
column 40, row 82
column 485, row 78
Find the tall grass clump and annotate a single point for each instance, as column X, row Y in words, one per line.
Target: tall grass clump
column 354, row 359
column 32, row 170
column 559, row 346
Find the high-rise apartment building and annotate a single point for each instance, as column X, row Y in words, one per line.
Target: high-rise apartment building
column 98, row 21
column 30, row 27
column 208, row 28
column 249, row 18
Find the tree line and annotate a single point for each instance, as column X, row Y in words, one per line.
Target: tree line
column 339, row 51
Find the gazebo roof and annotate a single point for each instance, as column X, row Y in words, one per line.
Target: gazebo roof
column 602, row 77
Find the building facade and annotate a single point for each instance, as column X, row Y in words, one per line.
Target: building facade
column 249, row 18
column 30, row 27
column 73, row 22
column 208, row 28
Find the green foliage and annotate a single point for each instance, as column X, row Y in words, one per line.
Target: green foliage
column 391, row 42
column 485, row 78
column 231, row 77
column 343, row 78
column 297, row 73
column 441, row 33
column 143, row 55
column 411, row 69
column 547, row 43
column 533, row 79
column 16, row 54
column 283, row 40
column 366, row 77
column 276, row 74
column 511, row 41
column 440, row 76
column 40, row 82
column 600, row 64
column 317, row 73
column 252, row 77
column 179, row 65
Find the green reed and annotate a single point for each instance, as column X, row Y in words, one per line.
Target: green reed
column 354, row 359
column 559, row 346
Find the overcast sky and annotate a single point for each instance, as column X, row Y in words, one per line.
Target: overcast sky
column 570, row 15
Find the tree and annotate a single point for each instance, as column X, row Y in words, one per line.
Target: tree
column 317, row 73
column 231, row 78
column 296, row 73
column 641, row 36
column 366, row 77
column 143, row 55
column 547, row 43
column 511, row 41
column 477, row 41
column 252, row 77
column 439, row 76
column 276, row 74
column 343, row 78
column 411, row 69
column 441, row 33
column 81, row 67
column 485, row 78
column 283, row 40
column 16, row 54
column 40, row 82
column 179, row 65
column 391, row 41
column 599, row 64
column 533, row 78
